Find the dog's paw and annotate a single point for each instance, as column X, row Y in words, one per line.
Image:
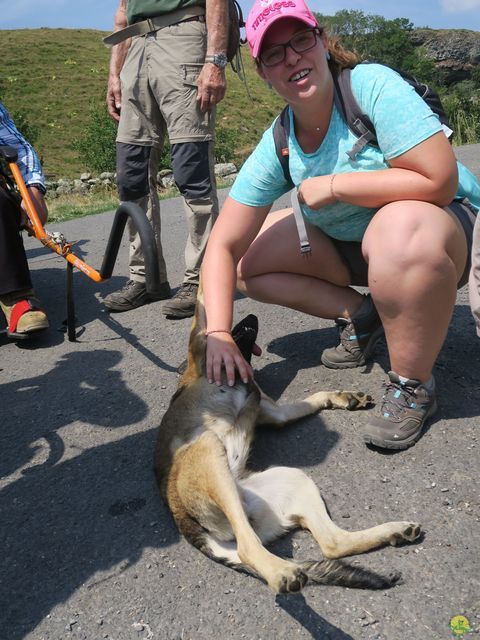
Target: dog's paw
column 290, row 580
column 356, row 400
column 405, row 532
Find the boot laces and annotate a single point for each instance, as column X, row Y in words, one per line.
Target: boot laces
column 397, row 398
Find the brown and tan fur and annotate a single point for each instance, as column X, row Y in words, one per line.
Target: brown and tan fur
column 230, row 512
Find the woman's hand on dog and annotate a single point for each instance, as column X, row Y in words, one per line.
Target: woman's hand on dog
column 223, row 353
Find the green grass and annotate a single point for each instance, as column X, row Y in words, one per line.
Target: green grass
column 51, row 75
column 75, row 206
column 71, row 206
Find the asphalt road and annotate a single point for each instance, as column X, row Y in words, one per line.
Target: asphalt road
column 88, row 551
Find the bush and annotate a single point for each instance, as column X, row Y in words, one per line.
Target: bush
column 165, row 158
column 97, row 149
column 464, row 116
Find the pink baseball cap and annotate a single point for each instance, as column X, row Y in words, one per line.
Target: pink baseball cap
column 265, row 12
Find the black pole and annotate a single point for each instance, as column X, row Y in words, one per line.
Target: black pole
column 70, row 305
column 145, row 231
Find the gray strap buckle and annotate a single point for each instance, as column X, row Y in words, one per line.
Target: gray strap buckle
column 305, row 246
column 364, row 139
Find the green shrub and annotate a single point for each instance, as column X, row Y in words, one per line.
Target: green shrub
column 463, row 111
column 96, row 147
column 165, row 158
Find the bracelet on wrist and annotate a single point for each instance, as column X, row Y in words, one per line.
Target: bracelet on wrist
column 207, row 333
column 332, row 192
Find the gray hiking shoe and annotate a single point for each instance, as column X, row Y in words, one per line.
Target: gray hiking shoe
column 134, row 294
column 358, row 337
column 182, row 305
column 405, row 408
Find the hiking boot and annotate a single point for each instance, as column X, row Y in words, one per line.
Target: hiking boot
column 405, row 408
column 358, row 337
column 134, row 294
column 182, row 305
column 23, row 313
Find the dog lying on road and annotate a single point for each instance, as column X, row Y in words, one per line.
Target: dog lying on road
column 229, row 512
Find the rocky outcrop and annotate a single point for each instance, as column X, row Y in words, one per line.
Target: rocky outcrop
column 454, row 51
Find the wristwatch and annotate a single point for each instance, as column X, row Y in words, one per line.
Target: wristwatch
column 218, row 59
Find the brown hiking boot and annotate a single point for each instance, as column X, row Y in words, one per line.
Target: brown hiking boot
column 405, row 408
column 134, row 294
column 358, row 337
column 182, row 305
column 23, row 313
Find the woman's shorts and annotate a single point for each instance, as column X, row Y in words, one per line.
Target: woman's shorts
column 351, row 252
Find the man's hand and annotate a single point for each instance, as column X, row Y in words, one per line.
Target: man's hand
column 117, row 58
column 114, row 96
column 40, row 207
column 212, row 85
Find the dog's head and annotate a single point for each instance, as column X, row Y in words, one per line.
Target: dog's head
column 245, row 334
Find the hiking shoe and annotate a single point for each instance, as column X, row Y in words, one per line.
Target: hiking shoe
column 182, row 305
column 23, row 313
column 404, row 410
column 358, row 337
column 134, row 294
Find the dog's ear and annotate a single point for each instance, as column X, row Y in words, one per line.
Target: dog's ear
column 245, row 334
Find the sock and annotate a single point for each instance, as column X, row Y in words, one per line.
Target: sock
column 429, row 385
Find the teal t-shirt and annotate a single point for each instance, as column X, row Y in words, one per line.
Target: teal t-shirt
column 138, row 10
column 401, row 120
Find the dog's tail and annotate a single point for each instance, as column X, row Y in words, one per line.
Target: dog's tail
column 336, row 572
column 328, row 572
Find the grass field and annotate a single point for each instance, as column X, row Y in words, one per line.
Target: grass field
column 51, row 75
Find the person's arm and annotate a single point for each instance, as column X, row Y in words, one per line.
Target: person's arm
column 28, row 164
column 232, row 234
column 40, row 205
column 117, row 58
column 427, row 172
column 212, row 82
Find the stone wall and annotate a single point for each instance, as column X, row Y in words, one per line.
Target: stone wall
column 87, row 183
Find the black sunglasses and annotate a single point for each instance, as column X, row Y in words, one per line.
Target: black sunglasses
column 302, row 41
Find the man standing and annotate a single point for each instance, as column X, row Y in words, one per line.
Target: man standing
column 167, row 73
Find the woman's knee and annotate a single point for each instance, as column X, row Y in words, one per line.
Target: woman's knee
column 407, row 234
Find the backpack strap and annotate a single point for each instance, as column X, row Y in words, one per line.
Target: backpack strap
column 357, row 121
column 300, row 223
column 281, row 132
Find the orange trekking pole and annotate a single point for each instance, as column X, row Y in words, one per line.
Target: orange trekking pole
column 53, row 242
column 57, row 243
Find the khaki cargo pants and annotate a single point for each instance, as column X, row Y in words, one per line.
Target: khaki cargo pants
column 158, row 99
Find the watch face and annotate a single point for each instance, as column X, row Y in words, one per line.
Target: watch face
column 220, row 59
